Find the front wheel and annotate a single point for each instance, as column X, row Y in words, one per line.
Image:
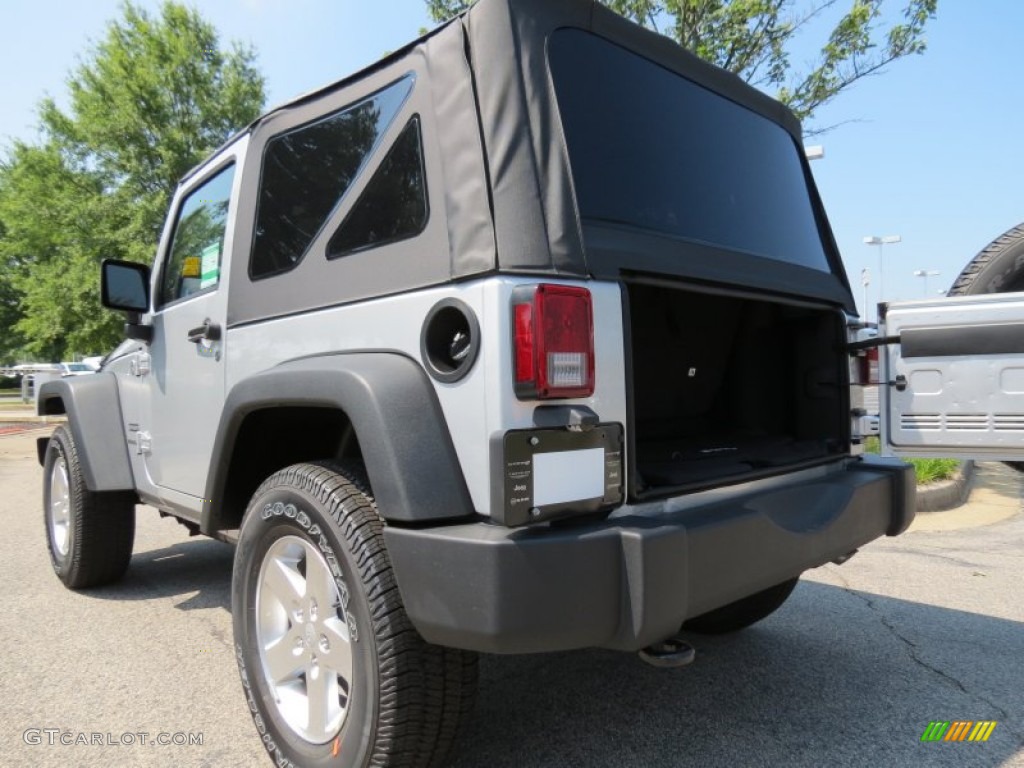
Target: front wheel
column 333, row 671
column 89, row 533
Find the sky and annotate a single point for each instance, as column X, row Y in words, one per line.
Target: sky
column 932, row 150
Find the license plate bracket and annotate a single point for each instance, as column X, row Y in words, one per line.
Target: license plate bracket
column 554, row 473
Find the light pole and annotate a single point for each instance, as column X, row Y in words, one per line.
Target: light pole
column 881, row 242
column 926, row 273
column 865, row 279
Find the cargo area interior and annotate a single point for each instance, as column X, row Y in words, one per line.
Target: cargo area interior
column 726, row 387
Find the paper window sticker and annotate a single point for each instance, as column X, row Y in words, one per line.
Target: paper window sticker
column 190, row 267
column 211, row 265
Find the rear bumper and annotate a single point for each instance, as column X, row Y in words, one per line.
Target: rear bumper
column 632, row 580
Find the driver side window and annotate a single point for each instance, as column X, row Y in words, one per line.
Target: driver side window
column 197, row 244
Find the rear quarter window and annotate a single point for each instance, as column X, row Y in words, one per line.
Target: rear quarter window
column 393, row 206
column 306, row 173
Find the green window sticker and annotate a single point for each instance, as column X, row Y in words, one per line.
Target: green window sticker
column 210, row 269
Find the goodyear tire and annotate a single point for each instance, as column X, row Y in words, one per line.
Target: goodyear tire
column 999, row 268
column 742, row 613
column 333, row 672
column 89, row 534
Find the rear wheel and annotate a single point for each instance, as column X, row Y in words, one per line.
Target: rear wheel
column 333, row 670
column 89, row 534
column 742, row 613
column 999, row 268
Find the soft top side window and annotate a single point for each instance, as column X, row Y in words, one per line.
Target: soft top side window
column 197, row 244
column 394, row 205
column 308, row 170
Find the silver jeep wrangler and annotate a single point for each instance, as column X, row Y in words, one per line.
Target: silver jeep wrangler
column 532, row 336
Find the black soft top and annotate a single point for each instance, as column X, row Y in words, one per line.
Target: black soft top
column 501, row 190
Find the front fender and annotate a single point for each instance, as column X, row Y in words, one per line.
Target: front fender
column 93, row 408
column 398, row 422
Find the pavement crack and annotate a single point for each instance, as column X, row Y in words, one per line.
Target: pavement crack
column 937, row 554
column 912, row 652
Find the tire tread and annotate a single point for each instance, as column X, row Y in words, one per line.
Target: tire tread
column 426, row 692
column 989, row 261
column 103, row 525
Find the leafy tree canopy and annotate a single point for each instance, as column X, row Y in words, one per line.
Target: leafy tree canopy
column 753, row 38
column 150, row 100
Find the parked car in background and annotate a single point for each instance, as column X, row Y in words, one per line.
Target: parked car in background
column 76, row 369
column 24, row 368
column 34, row 374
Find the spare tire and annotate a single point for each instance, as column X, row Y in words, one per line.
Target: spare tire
column 999, row 268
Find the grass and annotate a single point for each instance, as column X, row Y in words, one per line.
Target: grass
column 927, row 470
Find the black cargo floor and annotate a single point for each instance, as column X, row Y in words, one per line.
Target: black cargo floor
column 683, row 462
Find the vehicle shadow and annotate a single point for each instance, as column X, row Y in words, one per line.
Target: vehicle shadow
column 199, row 565
column 836, row 677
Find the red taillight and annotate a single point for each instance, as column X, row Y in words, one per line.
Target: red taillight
column 526, row 371
column 554, row 341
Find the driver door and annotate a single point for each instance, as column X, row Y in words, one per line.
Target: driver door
column 185, row 381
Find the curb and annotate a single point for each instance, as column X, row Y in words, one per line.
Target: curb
column 946, row 494
column 23, row 430
column 30, row 418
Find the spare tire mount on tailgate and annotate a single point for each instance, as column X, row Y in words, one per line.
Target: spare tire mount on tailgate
column 999, row 268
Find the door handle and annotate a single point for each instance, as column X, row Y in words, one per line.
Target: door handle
column 208, row 330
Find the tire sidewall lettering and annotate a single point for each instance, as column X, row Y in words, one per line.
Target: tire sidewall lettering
column 315, row 533
column 280, row 759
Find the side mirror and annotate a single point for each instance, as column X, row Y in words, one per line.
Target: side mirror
column 124, row 285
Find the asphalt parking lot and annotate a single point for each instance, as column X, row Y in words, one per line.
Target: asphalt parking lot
column 928, row 626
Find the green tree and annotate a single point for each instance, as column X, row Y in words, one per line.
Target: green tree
column 753, row 39
column 149, row 101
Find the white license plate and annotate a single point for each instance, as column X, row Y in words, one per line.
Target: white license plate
column 563, row 476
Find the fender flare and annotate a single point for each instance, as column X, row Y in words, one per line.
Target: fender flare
column 93, row 408
column 408, row 451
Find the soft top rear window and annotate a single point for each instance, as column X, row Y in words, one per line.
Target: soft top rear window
column 653, row 150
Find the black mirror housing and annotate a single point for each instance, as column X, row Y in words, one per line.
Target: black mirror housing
column 124, row 285
column 133, row 329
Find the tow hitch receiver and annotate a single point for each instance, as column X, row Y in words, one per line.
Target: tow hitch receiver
column 669, row 653
column 843, row 558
